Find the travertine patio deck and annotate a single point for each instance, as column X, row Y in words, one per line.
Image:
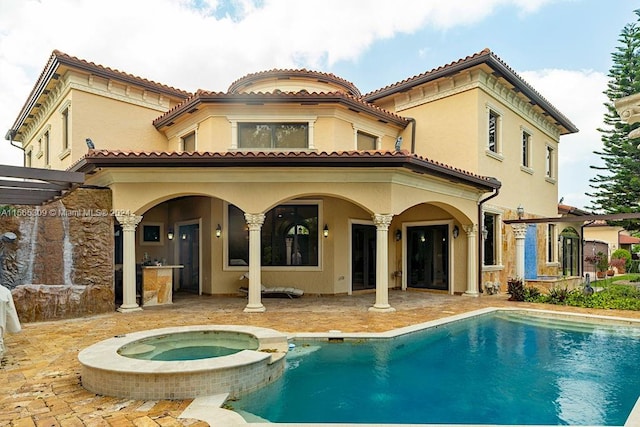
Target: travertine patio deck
column 39, row 377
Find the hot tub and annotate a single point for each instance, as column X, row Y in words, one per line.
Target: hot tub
column 123, row 366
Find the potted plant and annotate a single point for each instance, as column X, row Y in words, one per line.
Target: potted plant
column 600, row 262
column 618, row 264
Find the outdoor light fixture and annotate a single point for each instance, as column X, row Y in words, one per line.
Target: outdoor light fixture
column 485, row 232
column 170, row 234
column 456, row 232
column 520, row 211
column 218, row 231
column 325, row 231
column 398, row 235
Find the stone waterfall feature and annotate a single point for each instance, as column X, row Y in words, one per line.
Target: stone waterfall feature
column 61, row 264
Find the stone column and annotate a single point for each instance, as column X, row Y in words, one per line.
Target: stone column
column 520, row 232
column 255, row 222
column 472, row 260
column 382, row 222
column 129, row 222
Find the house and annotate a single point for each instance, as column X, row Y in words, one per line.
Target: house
column 295, row 178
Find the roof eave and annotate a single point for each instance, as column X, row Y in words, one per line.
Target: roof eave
column 498, row 66
column 89, row 164
column 276, row 99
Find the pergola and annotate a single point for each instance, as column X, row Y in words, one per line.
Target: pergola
column 32, row 186
column 520, row 230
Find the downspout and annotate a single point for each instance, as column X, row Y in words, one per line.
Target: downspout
column 10, row 135
column 480, row 239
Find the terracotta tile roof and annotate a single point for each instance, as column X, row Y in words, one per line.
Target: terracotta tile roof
column 487, row 57
column 58, row 59
column 238, row 85
column 69, row 60
column 628, row 240
column 373, row 158
column 301, row 97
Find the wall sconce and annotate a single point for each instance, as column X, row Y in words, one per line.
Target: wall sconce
column 520, row 211
column 456, row 232
column 485, row 232
column 325, row 231
column 218, row 231
column 170, row 234
column 398, row 235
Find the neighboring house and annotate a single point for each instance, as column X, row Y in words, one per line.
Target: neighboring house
column 298, row 179
column 614, row 237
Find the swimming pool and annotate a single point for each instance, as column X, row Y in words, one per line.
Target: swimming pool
column 492, row 369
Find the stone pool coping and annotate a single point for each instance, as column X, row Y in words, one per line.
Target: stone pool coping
column 104, row 354
column 209, row 408
column 104, row 371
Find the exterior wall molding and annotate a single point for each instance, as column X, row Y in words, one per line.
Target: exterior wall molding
column 475, row 79
column 73, row 80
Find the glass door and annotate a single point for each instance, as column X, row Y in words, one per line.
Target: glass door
column 363, row 257
column 428, row 257
column 189, row 257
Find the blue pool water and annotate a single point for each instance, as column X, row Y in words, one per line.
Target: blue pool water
column 495, row 369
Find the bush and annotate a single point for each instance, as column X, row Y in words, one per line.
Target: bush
column 520, row 292
column 614, row 297
column 515, row 288
column 558, row 295
column 621, row 254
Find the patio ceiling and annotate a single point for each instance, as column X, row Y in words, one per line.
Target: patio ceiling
column 32, row 186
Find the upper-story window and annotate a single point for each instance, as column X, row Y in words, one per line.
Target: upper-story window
column 526, row 149
column 27, row 158
column 550, row 163
column 46, row 147
column 365, row 141
column 189, row 142
column 273, row 135
column 65, row 128
column 494, row 131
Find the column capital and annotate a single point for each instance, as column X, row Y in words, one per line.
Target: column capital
column 520, row 230
column 129, row 222
column 382, row 221
column 471, row 229
column 254, row 221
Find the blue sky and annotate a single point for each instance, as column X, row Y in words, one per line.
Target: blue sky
column 561, row 47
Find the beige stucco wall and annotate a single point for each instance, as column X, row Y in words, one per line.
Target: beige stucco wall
column 115, row 116
column 334, row 126
column 606, row 234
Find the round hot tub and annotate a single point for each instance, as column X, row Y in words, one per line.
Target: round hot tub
column 184, row 362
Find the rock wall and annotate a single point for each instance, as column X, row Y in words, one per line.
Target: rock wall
column 61, row 264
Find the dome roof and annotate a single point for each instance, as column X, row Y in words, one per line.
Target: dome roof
column 293, row 81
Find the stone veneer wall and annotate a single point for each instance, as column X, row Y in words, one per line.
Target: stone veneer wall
column 61, row 265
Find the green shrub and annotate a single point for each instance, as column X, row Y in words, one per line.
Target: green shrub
column 622, row 254
column 515, row 288
column 558, row 295
column 618, row 297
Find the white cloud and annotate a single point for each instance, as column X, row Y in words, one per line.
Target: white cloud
column 207, row 44
column 579, row 96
